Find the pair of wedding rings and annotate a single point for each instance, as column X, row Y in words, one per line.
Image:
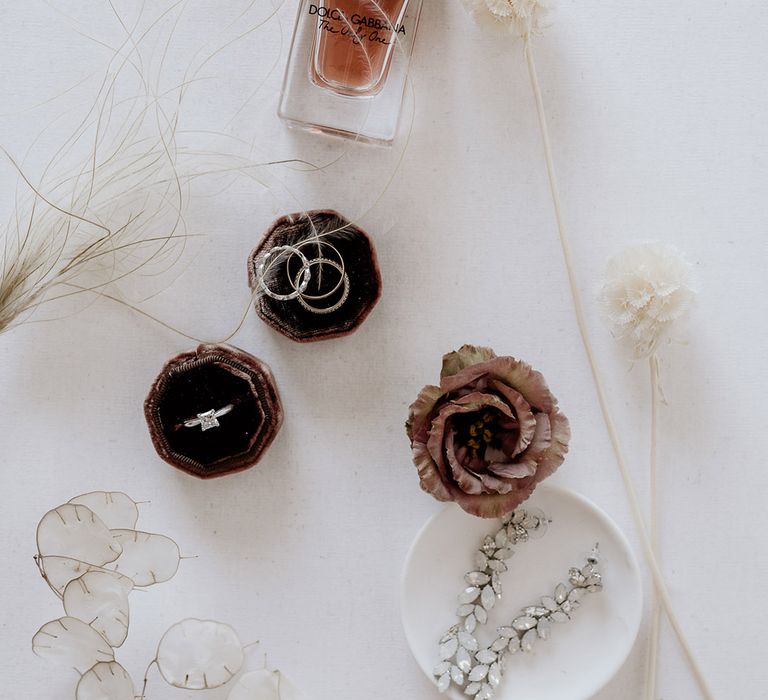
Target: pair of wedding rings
column 299, row 282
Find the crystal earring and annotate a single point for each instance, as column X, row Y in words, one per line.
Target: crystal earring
column 477, row 670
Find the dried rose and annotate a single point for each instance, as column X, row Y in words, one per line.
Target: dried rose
column 488, row 434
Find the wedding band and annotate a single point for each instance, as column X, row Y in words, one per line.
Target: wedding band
column 343, row 281
column 209, row 419
column 302, row 279
column 338, row 266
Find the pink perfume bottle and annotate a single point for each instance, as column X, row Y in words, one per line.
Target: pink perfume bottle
column 355, row 43
column 348, row 66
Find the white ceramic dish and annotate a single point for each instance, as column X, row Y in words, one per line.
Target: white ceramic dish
column 582, row 655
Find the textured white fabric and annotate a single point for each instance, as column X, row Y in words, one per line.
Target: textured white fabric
column 658, row 128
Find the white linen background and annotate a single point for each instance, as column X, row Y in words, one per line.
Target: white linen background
column 658, row 118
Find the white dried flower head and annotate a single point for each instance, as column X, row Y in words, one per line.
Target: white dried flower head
column 647, row 288
column 523, row 16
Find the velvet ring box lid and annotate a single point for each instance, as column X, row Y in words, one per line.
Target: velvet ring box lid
column 349, row 245
column 213, row 411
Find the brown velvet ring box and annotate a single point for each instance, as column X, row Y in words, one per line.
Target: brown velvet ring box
column 211, row 378
column 361, row 265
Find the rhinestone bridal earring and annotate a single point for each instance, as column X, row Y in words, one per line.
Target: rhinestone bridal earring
column 477, row 670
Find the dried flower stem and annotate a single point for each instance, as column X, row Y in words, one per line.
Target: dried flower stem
column 648, row 549
column 146, row 679
column 653, row 651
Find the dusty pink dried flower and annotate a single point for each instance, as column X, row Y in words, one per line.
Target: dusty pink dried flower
column 488, row 434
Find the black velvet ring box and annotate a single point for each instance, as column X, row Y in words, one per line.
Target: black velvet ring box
column 209, row 380
column 355, row 248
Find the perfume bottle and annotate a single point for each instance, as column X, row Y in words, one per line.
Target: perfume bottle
column 354, row 43
column 348, row 66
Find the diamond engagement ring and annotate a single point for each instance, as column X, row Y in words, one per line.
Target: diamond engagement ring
column 209, row 419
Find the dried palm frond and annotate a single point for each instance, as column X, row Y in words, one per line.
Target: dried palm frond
column 86, row 225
